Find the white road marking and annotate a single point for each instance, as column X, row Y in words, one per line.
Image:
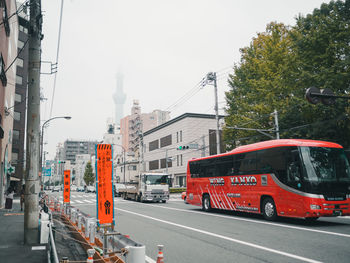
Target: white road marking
column 225, row 238
column 253, row 221
column 79, row 202
column 88, row 201
column 149, row 260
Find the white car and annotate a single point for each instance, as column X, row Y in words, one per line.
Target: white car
column 56, row 188
column 73, row 188
column 90, row 189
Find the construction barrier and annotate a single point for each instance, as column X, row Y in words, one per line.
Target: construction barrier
column 109, row 246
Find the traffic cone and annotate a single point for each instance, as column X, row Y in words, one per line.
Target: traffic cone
column 160, row 257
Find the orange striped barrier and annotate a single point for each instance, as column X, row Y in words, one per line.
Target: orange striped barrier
column 160, row 257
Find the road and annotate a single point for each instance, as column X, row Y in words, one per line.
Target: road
column 190, row 235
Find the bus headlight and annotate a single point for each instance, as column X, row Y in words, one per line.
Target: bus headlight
column 315, row 207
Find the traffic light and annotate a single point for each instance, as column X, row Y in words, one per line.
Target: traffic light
column 315, row 95
column 182, row 147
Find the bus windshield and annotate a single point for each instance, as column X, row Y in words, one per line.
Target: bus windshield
column 325, row 164
column 156, row 179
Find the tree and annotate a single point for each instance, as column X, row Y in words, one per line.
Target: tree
column 89, row 176
column 321, row 42
column 262, row 82
column 278, row 67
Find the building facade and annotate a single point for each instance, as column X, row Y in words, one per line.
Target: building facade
column 133, row 126
column 19, row 123
column 79, row 169
column 8, row 53
column 165, row 146
column 72, row 148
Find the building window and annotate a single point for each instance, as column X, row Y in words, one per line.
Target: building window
column 177, row 159
column 163, row 164
column 19, row 80
column 177, row 137
column 20, row 62
column 20, row 44
column 180, row 136
column 18, row 97
column 17, row 116
column 15, row 134
column 165, row 141
column 2, row 71
column 23, row 29
column 181, row 160
column 154, row 165
column 14, row 158
column 154, row 145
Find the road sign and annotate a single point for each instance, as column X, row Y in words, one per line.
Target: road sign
column 104, row 189
column 11, row 170
column 66, row 189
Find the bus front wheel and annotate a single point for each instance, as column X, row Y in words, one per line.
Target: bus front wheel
column 206, row 206
column 269, row 209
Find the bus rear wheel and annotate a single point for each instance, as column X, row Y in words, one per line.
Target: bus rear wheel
column 206, row 206
column 269, row 209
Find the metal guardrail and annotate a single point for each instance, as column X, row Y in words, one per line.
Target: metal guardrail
column 52, row 252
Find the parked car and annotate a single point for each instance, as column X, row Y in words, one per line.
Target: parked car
column 73, row 188
column 90, row 189
column 117, row 187
column 56, row 188
column 80, row 189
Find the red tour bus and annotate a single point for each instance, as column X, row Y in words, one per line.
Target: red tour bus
column 292, row 178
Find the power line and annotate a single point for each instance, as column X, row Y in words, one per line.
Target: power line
column 57, row 54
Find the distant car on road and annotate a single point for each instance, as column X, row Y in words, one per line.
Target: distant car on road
column 56, row 188
column 118, row 187
column 73, row 188
column 90, row 189
column 80, row 189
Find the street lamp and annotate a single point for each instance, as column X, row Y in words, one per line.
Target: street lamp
column 42, row 141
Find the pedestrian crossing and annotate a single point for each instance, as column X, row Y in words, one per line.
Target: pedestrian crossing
column 85, row 199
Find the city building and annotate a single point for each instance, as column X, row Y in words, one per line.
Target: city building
column 168, row 147
column 19, row 123
column 78, row 170
column 72, row 148
column 8, row 66
column 133, row 126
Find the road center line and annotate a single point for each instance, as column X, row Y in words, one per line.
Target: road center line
column 224, row 237
column 254, row 221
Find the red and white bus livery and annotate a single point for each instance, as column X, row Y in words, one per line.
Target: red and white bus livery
column 292, row 178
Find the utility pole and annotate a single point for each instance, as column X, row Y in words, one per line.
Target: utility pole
column 275, row 113
column 203, row 147
column 31, row 211
column 212, row 78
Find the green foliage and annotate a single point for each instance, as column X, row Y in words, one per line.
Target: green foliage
column 277, row 68
column 89, row 176
column 177, row 190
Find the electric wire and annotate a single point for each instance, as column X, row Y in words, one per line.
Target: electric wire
column 57, row 55
column 19, row 9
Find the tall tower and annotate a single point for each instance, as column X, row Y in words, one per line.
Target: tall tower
column 119, row 98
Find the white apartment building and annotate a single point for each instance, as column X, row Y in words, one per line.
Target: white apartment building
column 198, row 131
column 79, row 168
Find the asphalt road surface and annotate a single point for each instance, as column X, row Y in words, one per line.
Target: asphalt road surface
column 190, row 235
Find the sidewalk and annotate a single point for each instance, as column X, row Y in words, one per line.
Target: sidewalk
column 12, row 247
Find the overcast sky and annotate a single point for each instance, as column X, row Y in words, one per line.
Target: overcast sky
column 163, row 48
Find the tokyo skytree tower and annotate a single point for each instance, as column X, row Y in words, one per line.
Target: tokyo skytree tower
column 119, row 98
